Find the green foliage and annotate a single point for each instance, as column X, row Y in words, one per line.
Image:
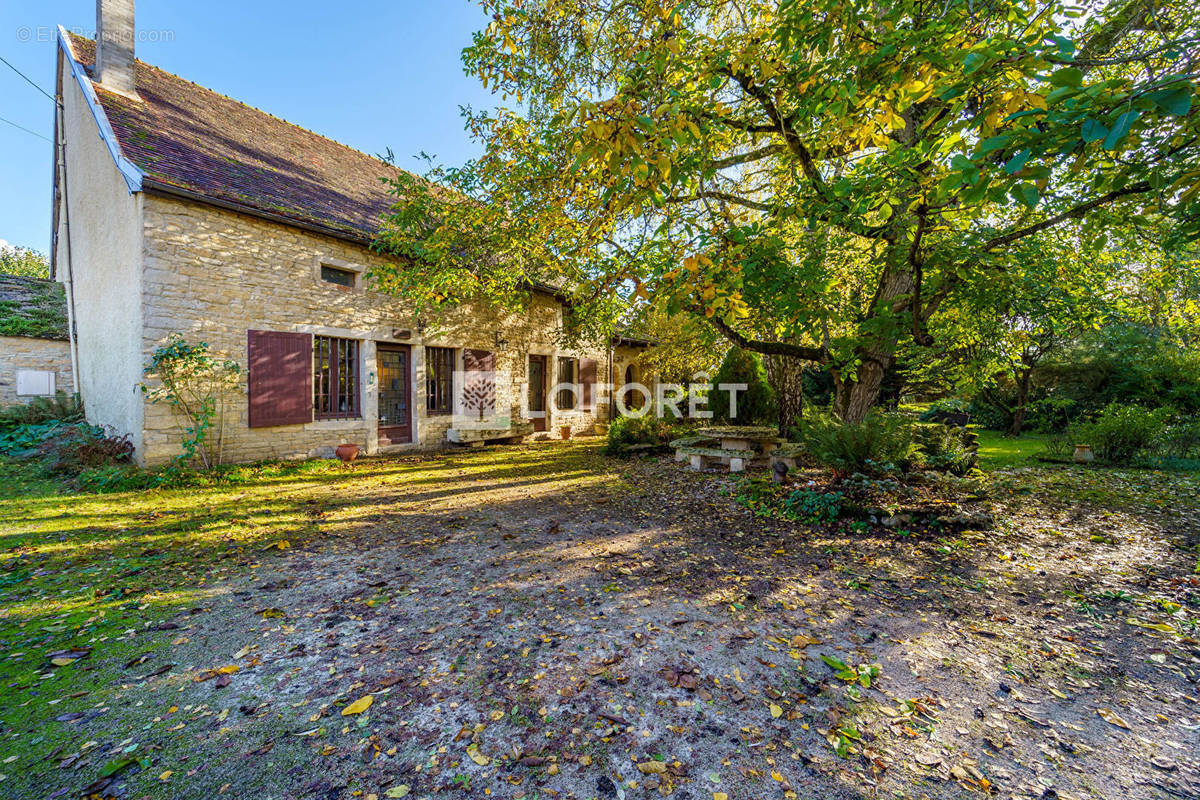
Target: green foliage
column 194, row 384
column 62, row 408
column 756, row 404
column 1121, row 433
column 64, row 448
column 1182, row 438
column 23, row 262
column 34, row 308
column 830, row 176
column 813, row 507
column 945, row 448
column 882, row 444
column 626, row 433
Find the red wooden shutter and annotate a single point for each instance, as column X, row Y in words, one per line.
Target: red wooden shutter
column 280, row 378
column 587, row 377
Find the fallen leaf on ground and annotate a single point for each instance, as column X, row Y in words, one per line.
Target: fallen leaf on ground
column 358, row 706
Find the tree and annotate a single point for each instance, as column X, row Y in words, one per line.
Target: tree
column 23, row 261
column 814, row 179
column 755, row 399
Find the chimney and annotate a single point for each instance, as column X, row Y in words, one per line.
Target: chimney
column 114, row 45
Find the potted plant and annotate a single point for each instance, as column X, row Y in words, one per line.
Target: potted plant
column 1084, row 454
column 347, row 452
column 564, row 431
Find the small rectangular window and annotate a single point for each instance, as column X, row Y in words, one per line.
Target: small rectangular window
column 340, row 277
column 335, row 378
column 439, row 380
column 567, row 370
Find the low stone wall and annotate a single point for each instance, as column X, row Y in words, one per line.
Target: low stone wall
column 20, row 352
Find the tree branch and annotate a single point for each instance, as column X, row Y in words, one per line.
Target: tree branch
column 1077, row 212
column 745, row 158
column 817, row 354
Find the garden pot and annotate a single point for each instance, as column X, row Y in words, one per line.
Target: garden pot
column 565, row 432
column 1084, row 454
column 347, row 452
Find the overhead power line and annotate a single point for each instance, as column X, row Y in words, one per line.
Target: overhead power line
column 27, row 130
column 28, row 79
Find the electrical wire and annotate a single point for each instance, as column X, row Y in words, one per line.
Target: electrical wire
column 27, row 130
column 28, row 79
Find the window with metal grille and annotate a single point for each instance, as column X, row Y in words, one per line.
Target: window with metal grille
column 566, row 375
column 335, row 378
column 341, row 277
column 439, row 380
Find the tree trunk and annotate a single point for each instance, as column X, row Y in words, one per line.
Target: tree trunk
column 786, row 375
column 1018, row 419
column 857, row 396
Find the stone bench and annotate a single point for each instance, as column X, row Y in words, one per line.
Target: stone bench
column 698, row 456
column 689, row 441
column 787, row 453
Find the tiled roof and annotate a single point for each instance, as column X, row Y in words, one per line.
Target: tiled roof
column 32, row 307
column 186, row 137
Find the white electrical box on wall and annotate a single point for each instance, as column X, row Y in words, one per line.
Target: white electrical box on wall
column 35, row 383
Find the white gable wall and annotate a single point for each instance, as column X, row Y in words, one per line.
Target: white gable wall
column 99, row 257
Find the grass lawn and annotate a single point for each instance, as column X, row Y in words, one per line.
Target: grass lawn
column 997, row 451
column 543, row 622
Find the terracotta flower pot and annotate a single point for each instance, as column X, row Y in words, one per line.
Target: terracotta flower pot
column 565, row 432
column 347, row 452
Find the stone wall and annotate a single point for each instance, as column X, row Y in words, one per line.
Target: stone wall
column 21, row 352
column 213, row 274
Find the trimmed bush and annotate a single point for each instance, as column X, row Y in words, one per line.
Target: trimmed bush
column 755, row 405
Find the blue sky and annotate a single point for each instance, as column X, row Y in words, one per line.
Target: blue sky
column 370, row 74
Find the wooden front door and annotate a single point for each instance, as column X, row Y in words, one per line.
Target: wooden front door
column 537, row 393
column 395, row 393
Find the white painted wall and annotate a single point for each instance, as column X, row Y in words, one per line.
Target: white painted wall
column 102, row 270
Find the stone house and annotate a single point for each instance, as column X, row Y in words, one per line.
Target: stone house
column 179, row 210
column 35, row 356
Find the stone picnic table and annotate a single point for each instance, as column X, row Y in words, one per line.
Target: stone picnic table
column 738, row 444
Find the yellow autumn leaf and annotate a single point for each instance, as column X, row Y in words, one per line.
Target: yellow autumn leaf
column 476, row 756
column 62, row 661
column 166, row 776
column 776, row 711
column 652, row 768
column 720, row 796
column 228, row 669
column 398, row 791
column 1112, row 718
column 358, row 706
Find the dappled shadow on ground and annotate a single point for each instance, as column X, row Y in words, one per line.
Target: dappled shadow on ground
column 539, row 621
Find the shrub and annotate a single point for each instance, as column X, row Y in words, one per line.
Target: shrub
column 881, row 444
column 1182, row 439
column 946, row 449
column 62, row 408
column 755, row 405
column 813, row 507
column 1122, row 432
column 625, row 433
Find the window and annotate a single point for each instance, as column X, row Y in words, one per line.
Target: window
column 341, row 277
column 566, row 375
column 439, row 380
column 335, row 378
